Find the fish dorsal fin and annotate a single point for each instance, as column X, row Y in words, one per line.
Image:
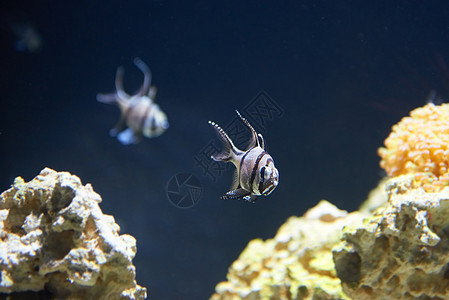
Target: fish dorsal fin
column 229, row 148
column 260, row 141
column 147, row 76
column 119, row 84
column 152, row 92
column 253, row 140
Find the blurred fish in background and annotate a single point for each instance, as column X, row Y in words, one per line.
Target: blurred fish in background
column 27, row 38
column 139, row 113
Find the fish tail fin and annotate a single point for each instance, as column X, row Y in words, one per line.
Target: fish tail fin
column 229, row 148
column 107, row 98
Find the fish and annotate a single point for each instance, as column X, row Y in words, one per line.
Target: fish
column 28, row 38
column 255, row 174
column 140, row 115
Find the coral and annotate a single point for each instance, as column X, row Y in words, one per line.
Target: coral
column 295, row 264
column 55, row 239
column 402, row 250
column 419, row 144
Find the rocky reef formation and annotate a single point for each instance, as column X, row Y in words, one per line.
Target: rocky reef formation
column 295, row 264
column 54, row 239
column 402, row 250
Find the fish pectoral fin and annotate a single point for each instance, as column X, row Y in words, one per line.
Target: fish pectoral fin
column 234, row 194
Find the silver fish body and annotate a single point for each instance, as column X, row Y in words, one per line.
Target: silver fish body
column 255, row 173
column 139, row 114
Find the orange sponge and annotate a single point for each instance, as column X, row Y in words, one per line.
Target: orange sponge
column 419, row 144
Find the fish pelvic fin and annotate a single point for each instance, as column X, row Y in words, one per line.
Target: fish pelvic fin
column 129, row 137
column 250, row 198
column 229, row 150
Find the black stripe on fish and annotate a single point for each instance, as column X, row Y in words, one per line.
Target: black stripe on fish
column 253, row 173
column 144, row 117
column 262, row 177
column 153, row 124
column 150, row 117
column 242, row 160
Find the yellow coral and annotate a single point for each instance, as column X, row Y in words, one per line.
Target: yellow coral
column 419, row 145
column 295, row 264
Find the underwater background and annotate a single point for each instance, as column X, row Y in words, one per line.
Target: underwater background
column 339, row 74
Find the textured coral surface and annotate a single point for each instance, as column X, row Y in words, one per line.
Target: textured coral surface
column 55, row 239
column 419, row 144
column 295, row 264
column 402, row 252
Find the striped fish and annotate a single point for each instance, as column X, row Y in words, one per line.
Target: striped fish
column 255, row 173
column 139, row 114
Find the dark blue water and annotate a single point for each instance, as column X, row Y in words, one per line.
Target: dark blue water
column 342, row 72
